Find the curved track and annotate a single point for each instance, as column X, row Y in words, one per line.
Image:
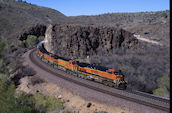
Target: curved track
column 135, row 96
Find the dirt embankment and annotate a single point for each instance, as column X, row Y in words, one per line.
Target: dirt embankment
column 71, row 101
column 147, row 40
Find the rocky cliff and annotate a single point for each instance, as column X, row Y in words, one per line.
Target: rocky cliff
column 81, row 41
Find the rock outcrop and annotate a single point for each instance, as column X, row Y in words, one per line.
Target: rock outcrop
column 81, row 41
column 48, row 38
column 38, row 30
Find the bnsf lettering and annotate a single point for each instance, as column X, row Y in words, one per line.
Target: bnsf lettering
column 93, row 71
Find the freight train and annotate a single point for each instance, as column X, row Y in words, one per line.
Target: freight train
column 101, row 74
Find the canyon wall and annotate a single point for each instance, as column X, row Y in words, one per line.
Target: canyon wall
column 81, row 40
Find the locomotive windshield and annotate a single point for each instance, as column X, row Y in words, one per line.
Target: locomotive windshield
column 110, row 72
column 117, row 73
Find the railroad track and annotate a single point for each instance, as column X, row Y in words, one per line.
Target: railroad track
column 130, row 95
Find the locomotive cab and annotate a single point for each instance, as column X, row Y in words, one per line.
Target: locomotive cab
column 73, row 62
column 73, row 65
column 114, row 72
column 119, row 81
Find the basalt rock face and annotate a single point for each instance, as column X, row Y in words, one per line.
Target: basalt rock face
column 81, row 41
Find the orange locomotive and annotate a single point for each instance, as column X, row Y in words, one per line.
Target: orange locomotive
column 101, row 74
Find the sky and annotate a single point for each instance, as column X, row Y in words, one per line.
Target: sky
column 95, row 7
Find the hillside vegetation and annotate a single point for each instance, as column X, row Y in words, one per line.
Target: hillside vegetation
column 12, row 101
column 17, row 17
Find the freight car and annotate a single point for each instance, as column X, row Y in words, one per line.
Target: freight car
column 105, row 75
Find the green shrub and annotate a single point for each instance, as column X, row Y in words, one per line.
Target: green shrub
column 31, row 41
column 4, row 77
column 164, row 81
column 4, row 51
column 12, row 104
column 164, row 86
column 24, row 103
column 162, row 91
column 47, row 104
column 1, row 63
column 41, row 38
column 22, row 43
column 3, row 48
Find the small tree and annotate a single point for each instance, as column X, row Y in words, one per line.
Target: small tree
column 47, row 104
column 12, row 104
column 31, row 41
column 164, row 81
column 162, row 91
